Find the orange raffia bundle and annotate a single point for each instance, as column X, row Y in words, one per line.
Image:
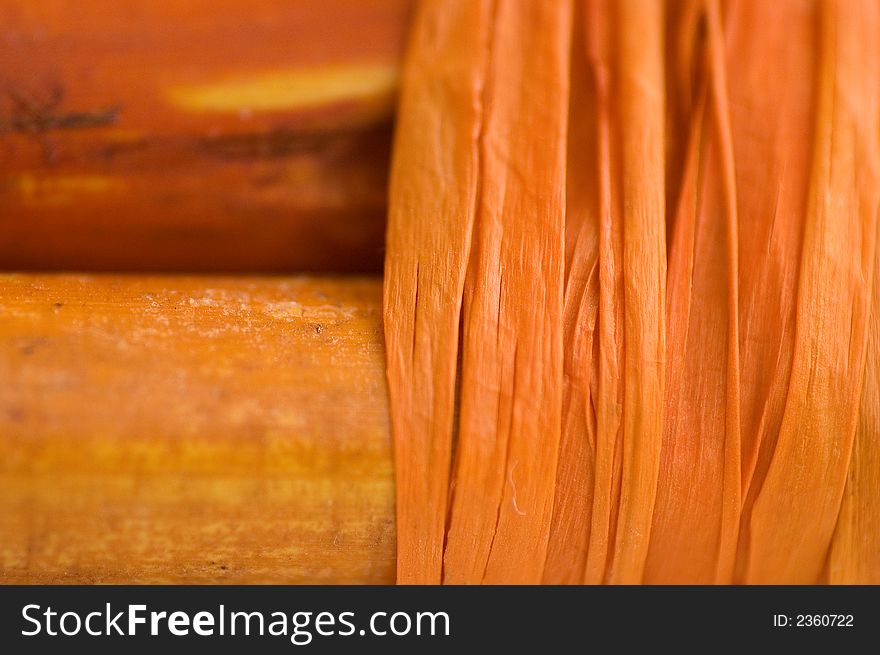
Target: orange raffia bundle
column 632, row 304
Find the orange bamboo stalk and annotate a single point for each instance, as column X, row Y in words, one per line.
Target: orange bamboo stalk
column 206, row 135
column 193, row 430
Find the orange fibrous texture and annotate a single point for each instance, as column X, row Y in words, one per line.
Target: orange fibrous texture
column 631, row 295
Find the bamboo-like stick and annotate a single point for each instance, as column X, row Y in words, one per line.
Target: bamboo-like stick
column 207, row 135
column 193, row 430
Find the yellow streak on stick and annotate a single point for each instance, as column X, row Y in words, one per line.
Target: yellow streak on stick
column 302, row 88
column 61, row 189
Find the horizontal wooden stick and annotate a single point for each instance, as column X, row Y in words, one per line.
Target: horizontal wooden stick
column 193, row 430
column 209, row 135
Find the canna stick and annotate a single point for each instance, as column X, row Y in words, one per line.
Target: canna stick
column 193, row 430
column 210, row 135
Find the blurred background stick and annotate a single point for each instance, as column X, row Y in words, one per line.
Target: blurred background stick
column 207, row 135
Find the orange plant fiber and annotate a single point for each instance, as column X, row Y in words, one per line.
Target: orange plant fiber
column 632, row 297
